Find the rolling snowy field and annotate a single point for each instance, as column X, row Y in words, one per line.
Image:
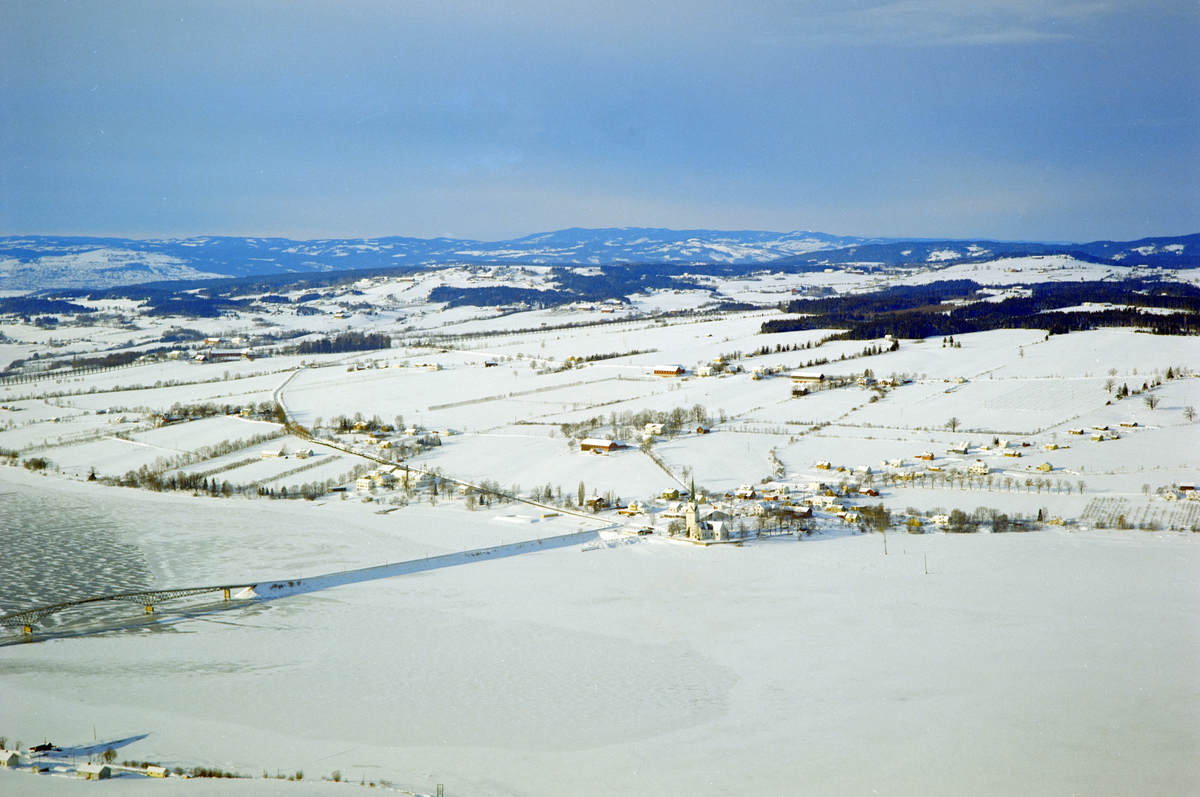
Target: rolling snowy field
column 1054, row 661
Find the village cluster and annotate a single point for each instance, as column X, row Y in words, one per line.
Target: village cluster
column 464, row 403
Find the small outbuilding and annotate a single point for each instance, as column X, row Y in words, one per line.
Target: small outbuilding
column 9, row 758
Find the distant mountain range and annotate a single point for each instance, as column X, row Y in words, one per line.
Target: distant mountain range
column 42, row 262
column 1173, row 252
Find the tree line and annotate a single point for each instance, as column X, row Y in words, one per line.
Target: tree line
column 347, row 341
column 919, row 312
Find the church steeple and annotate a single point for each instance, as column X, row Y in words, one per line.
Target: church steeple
column 691, row 516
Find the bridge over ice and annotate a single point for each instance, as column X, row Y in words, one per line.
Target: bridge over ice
column 234, row 595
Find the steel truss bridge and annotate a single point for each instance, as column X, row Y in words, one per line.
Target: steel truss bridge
column 27, row 618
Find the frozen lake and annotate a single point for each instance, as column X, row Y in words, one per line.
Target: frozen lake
column 1048, row 662
column 60, row 548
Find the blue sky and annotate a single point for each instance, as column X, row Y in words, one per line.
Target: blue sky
column 1066, row 121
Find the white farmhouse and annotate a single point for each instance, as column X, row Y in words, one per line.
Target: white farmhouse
column 94, row 771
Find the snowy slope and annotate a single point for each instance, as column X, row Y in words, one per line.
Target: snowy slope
column 32, row 262
column 1169, row 252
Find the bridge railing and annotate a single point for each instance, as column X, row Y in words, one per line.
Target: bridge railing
column 27, row 618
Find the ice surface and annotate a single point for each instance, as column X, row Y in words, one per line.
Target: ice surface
column 1019, row 661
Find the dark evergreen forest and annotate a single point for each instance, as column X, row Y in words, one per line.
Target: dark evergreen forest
column 922, row 312
column 347, row 341
column 611, row 283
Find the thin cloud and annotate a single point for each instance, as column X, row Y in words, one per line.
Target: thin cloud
column 947, row 22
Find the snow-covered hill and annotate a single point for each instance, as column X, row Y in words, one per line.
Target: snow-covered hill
column 642, row 245
column 33, row 262
column 1165, row 252
column 40, row 262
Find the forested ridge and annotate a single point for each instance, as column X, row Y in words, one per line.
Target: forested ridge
column 611, row 283
column 921, row 311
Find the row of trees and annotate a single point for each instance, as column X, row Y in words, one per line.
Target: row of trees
column 264, row 409
column 962, row 523
column 879, row 518
column 202, row 484
column 148, row 474
column 632, row 424
column 970, row 481
column 779, row 348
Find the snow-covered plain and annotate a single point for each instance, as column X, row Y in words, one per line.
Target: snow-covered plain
column 1022, row 663
column 1055, row 661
